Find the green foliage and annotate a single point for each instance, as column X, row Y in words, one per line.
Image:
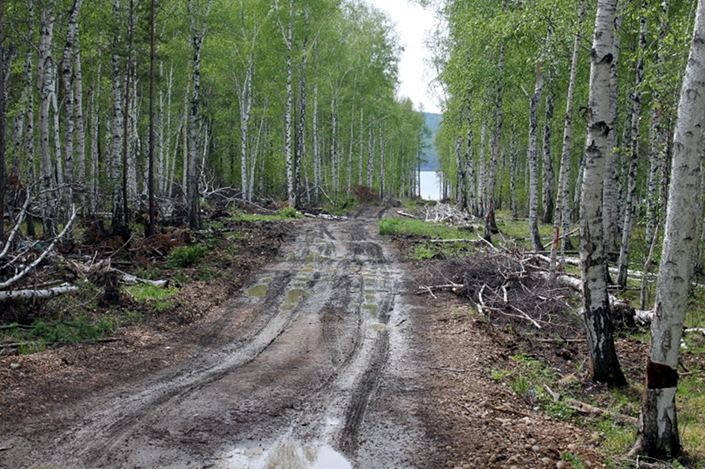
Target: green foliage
column 185, row 256
column 499, row 375
column 409, row 226
column 147, row 291
column 575, row 461
column 43, row 333
column 288, row 212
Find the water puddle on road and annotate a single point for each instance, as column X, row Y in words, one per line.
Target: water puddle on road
column 258, row 291
column 292, row 298
column 288, row 455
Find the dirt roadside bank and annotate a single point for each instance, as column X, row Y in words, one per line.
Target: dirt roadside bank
column 327, row 359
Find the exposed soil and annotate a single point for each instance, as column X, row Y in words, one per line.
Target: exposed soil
column 311, row 349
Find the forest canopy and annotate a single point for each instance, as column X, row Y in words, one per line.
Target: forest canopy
column 271, row 99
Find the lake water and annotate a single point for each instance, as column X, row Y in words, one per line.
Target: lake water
column 430, row 186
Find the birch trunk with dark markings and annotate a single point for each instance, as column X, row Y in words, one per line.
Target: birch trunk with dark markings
column 604, row 365
column 658, row 426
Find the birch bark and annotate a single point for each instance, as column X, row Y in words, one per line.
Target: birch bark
column 623, row 263
column 198, row 34
column 46, row 87
column 604, row 365
column 533, row 161
column 658, row 427
column 67, row 73
column 564, row 203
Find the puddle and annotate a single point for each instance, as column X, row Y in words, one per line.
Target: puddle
column 258, row 291
column 289, row 455
column 292, row 298
column 315, row 257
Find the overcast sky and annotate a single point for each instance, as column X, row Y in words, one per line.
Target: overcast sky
column 413, row 24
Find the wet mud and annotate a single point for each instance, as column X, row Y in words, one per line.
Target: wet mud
column 314, row 365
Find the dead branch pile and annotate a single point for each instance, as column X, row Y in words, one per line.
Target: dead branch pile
column 446, row 213
column 507, row 293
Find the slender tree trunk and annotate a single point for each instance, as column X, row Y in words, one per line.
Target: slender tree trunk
column 469, row 163
column 246, row 98
column 513, row 157
column 657, row 136
column 151, row 156
column 288, row 33
column 482, row 173
column 68, row 75
column 126, row 119
column 117, row 126
column 80, row 121
column 46, row 87
column 198, row 34
column 370, row 157
column 494, row 146
column 610, row 195
column 634, row 159
column 300, row 150
column 564, row 203
column 533, row 162
column 316, row 149
column 549, row 175
column 658, row 426
column 461, row 168
column 94, row 151
column 3, row 121
column 361, row 139
column 604, row 365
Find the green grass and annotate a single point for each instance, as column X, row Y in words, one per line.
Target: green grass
column 185, row 256
column 409, row 226
column 428, row 250
column 156, row 295
column 43, row 333
column 147, row 291
column 286, row 213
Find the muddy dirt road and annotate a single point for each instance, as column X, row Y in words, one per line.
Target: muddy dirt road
column 313, row 366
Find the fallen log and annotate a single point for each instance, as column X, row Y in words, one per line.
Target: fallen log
column 433, row 288
column 46, row 252
column 24, row 295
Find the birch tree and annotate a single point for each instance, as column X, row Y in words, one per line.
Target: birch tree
column 3, row 121
column 47, row 81
column 658, row 425
column 198, row 32
column 604, row 364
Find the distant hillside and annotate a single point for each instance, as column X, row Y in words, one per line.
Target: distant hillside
column 433, row 122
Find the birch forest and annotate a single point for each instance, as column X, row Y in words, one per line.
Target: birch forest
column 135, row 108
column 588, row 113
column 515, row 79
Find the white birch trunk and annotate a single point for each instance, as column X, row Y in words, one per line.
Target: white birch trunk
column 610, row 196
column 370, row 157
column 623, row 263
column 316, row 149
column 532, row 160
column 482, row 172
column 513, row 157
column 198, row 33
column 604, row 365
column 79, row 118
column 563, row 214
column 548, row 174
column 46, row 87
column 94, row 152
column 658, row 427
column 67, row 73
column 117, row 126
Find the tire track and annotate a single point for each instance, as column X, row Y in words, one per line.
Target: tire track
column 298, row 361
